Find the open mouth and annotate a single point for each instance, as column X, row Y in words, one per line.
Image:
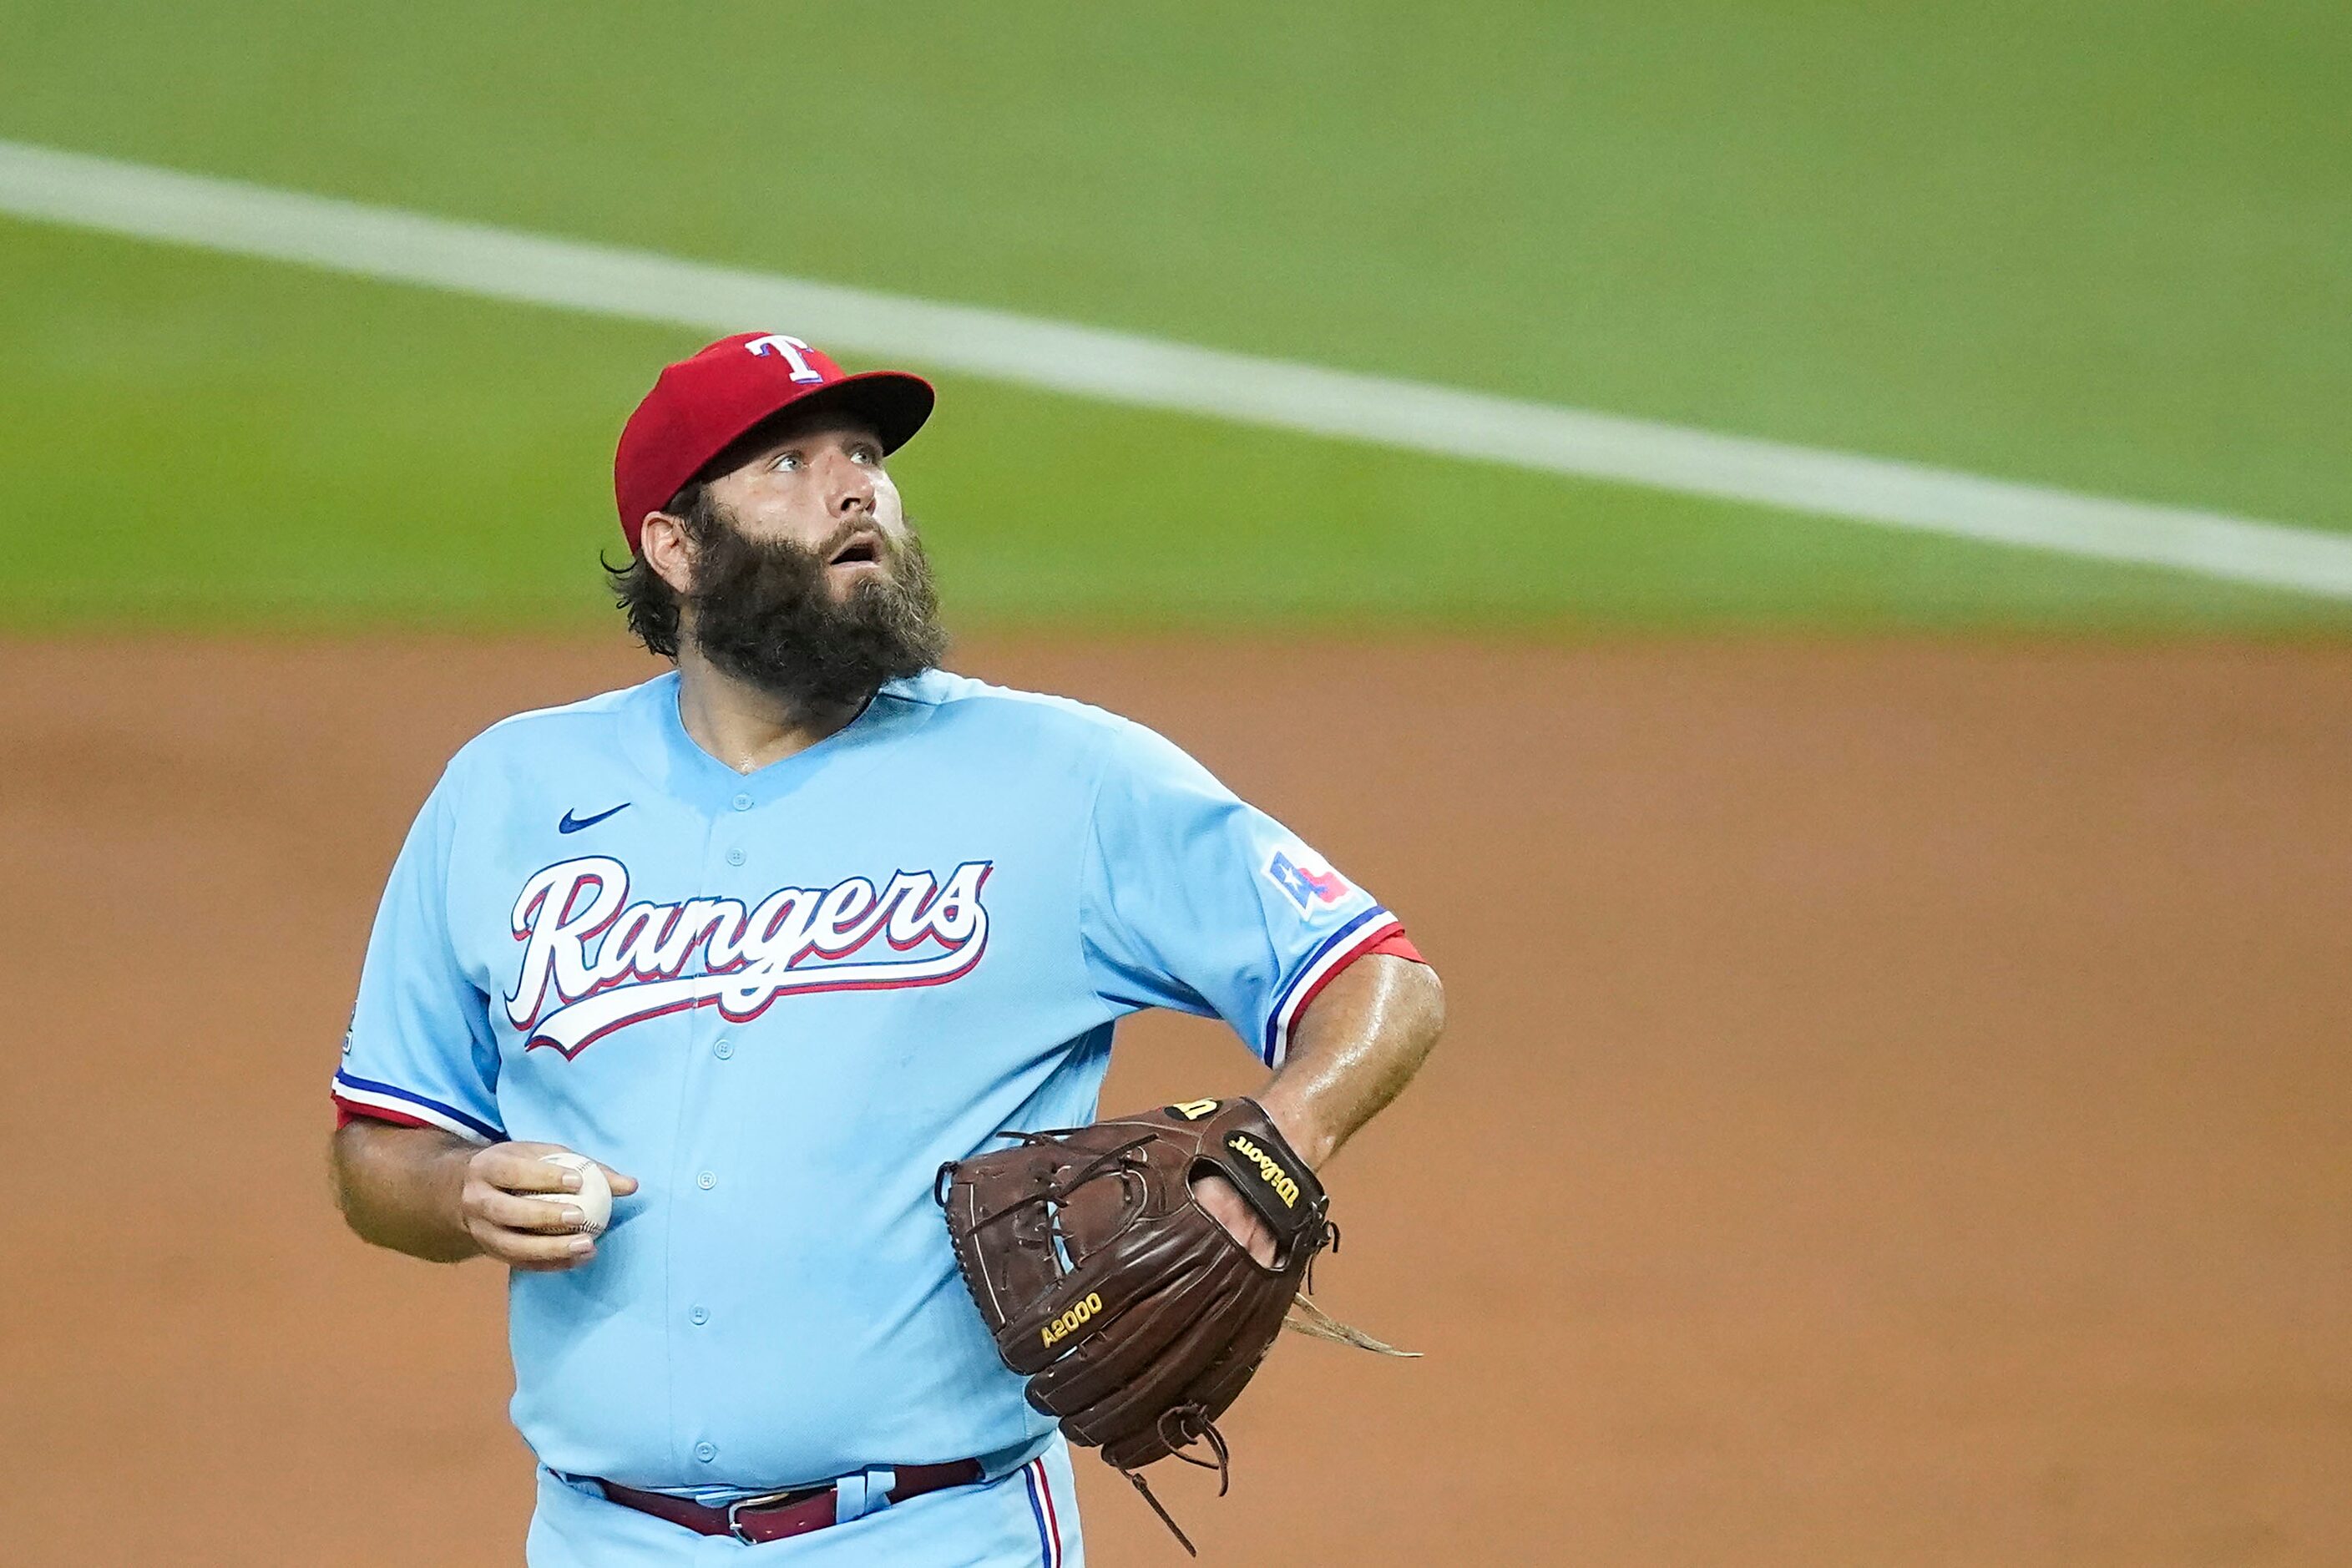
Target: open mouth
column 864, row 549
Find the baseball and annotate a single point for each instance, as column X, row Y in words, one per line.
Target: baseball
column 594, row 1198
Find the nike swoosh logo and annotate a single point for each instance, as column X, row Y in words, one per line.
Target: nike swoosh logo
column 571, row 824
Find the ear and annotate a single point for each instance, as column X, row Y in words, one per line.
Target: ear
column 668, row 549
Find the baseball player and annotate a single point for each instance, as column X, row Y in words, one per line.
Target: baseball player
column 771, row 938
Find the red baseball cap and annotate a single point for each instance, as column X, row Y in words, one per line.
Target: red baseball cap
column 700, row 406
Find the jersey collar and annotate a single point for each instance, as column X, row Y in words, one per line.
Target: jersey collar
column 659, row 740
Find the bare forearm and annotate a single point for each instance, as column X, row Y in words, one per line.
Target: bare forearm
column 399, row 1187
column 434, row 1196
column 1357, row 1047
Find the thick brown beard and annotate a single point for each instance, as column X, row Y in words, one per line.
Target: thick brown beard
column 762, row 611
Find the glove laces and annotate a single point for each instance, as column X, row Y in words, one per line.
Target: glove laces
column 1192, row 1425
column 1052, row 1194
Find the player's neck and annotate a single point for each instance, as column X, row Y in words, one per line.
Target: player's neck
column 743, row 726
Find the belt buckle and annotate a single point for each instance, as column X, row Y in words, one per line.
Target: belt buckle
column 765, row 1499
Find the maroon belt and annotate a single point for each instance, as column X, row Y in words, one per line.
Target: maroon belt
column 776, row 1515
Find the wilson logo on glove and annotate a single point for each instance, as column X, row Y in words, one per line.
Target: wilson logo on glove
column 1273, row 1175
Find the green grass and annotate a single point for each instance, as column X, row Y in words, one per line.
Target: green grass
column 2100, row 245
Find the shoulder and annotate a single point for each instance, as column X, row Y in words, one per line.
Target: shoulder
column 545, row 737
column 1036, row 717
column 1113, row 751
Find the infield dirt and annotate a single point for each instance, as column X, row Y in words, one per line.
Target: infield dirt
column 1896, row 1110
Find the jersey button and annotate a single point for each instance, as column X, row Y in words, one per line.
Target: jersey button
column 706, row 1181
column 734, row 856
column 724, row 1051
column 699, row 1316
column 706, row 1452
column 742, row 803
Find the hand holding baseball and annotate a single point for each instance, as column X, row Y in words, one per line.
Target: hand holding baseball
column 537, row 1206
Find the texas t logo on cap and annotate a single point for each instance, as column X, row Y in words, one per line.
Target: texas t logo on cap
column 791, row 349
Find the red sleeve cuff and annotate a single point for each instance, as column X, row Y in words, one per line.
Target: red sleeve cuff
column 1396, row 944
column 346, row 1113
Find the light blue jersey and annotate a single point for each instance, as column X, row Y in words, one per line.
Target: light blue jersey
column 781, row 1001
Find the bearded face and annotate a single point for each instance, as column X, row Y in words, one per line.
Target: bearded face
column 817, row 628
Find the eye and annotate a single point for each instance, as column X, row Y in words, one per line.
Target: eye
column 866, row 453
column 787, row 462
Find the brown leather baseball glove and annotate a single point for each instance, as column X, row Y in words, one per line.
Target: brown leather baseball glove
column 1135, row 1317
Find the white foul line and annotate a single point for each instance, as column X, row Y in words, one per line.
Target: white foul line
column 147, row 203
